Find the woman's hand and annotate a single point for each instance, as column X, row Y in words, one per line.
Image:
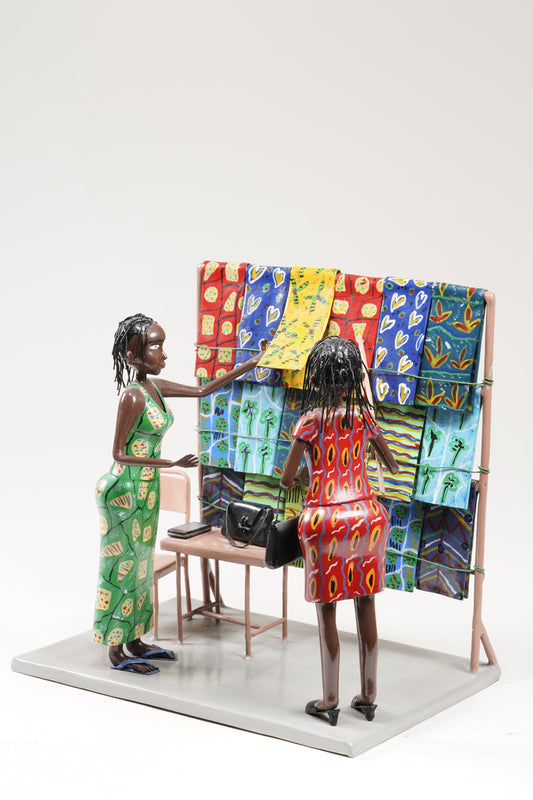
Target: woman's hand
column 186, row 462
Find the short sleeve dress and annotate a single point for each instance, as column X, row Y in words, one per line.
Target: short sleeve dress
column 127, row 498
column 343, row 528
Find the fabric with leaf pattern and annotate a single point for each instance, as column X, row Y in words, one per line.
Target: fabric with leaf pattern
column 400, row 339
column 406, row 520
column 259, row 424
column 451, row 348
column 447, row 455
column 265, row 296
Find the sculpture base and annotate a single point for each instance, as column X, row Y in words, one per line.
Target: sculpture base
column 267, row 693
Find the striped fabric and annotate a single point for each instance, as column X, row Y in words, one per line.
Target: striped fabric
column 264, row 490
column 402, row 428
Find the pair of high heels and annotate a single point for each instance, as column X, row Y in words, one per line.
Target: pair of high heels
column 368, row 710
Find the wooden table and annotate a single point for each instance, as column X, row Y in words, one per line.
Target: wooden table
column 214, row 545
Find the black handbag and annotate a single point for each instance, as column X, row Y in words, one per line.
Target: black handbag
column 251, row 523
column 247, row 522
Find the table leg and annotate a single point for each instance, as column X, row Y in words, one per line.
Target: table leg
column 178, row 598
column 205, row 579
column 284, row 601
column 217, row 587
column 247, row 629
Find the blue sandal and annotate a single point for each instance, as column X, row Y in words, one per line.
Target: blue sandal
column 160, row 653
column 128, row 663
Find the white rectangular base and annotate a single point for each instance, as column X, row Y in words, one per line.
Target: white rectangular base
column 267, row 693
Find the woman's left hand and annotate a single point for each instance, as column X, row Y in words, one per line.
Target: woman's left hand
column 187, row 461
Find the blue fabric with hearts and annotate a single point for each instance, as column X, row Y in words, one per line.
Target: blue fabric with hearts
column 265, row 295
column 400, row 340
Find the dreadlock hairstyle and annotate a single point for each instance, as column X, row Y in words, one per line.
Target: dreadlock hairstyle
column 335, row 372
column 136, row 325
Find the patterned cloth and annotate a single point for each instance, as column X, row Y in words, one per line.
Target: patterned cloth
column 451, row 348
column 355, row 310
column 220, row 487
column 221, row 298
column 406, row 521
column 259, row 423
column 402, row 428
column 304, row 320
column 219, row 423
column 263, row 490
column 402, row 326
column 446, row 549
column 447, row 455
column 127, row 499
column 343, row 528
column 289, row 418
column 265, row 296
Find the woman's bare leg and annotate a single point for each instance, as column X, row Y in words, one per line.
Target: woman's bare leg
column 367, row 632
column 329, row 654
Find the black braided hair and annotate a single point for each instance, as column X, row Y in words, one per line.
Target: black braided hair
column 136, row 325
column 335, row 372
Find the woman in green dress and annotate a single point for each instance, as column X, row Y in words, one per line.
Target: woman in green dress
column 128, row 495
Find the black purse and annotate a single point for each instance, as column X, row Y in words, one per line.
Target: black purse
column 247, row 522
column 251, row 523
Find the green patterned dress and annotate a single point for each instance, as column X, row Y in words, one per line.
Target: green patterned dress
column 128, row 505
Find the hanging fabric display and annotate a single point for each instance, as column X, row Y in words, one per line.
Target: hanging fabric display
column 219, row 424
column 402, row 326
column 406, row 521
column 289, row 418
column 264, row 490
column 304, row 320
column 447, row 455
column 402, row 429
column 445, row 551
column 265, row 296
column 259, row 423
column 356, row 309
column 219, row 488
column 221, row 298
column 451, row 347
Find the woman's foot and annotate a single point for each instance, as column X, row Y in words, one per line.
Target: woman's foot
column 139, row 649
column 120, row 660
column 315, row 708
column 367, row 709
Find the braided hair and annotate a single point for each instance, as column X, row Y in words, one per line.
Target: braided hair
column 335, row 372
column 136, row 325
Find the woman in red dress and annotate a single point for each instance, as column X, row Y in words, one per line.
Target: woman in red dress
column 343, row 529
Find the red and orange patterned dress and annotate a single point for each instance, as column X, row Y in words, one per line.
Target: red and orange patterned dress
column 343, row 528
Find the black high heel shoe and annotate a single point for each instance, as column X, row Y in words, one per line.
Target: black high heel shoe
column 332, row 713
column 367, row 709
